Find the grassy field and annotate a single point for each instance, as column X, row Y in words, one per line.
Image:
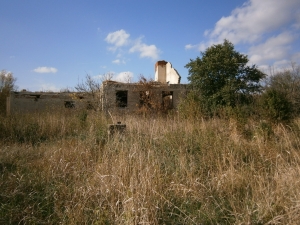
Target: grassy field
column 61, row 168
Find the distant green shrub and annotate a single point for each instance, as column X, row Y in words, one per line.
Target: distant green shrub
column 288, row 82
column 276, row 106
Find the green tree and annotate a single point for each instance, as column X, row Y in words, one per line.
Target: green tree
column 7, row 84
column 222, row 78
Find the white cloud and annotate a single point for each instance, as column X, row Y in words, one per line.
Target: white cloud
column 274, row 48
column 120, row 39
column 255, row 18
column 283, row 64
column 49, row 87
column 43, row 86
column 146, row 51
column 189, row 46
column 125, row 77
column 296, row 57
column 117, row 39
column 45, row 69
column 268, row 28
column 118, row 61
column 296, row 25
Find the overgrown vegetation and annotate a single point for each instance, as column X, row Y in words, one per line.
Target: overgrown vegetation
column 7, row 84
column 287, row 84
column 224, row 86
column 151, row 101
column 228, row 155
column 221, row 78
column 61, row 168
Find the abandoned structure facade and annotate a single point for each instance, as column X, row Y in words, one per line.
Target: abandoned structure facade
column 164, row 92
column 130, row 97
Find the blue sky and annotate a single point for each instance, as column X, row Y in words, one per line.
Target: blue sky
column 52, row 45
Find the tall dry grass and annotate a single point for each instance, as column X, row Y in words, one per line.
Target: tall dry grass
column 61, row 168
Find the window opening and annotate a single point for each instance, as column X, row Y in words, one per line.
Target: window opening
column 36, row 97
column 69, row 104
column 167, row 99
column 121, row 98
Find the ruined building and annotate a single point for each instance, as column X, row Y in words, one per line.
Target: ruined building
column 27, row 102
column 165, row 92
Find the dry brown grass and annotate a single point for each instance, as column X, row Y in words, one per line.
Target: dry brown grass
column 60, row 168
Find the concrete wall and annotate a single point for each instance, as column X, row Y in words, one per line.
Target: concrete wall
column 160, row 71
column 172, row 76
column 110, row 89
column 165, row 73
column 111, row 94
column 26, row 102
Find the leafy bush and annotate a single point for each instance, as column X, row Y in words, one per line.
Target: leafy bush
column 276, row 106
column 288, row 82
